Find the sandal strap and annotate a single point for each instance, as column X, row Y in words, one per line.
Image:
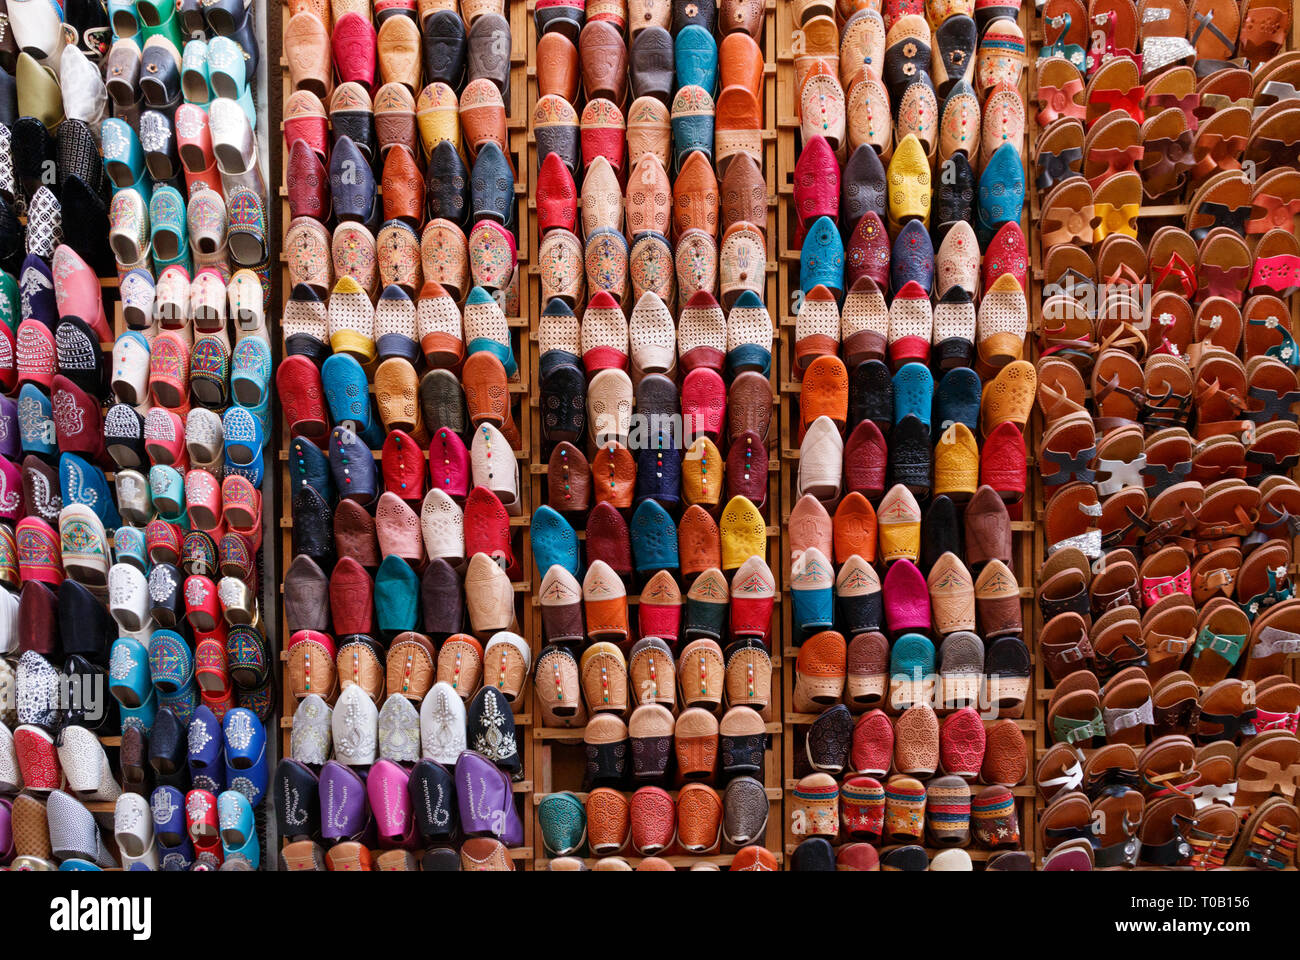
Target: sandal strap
column 1165, row 477
column 1069, row 730
column 1272, row 778
column 1170, row 853
column 1273, row 640
column 1265, row 844
column 1102, row 784
column 1226, row 645
column 1120, row 474
column 1205, row 21
column 1270, row 720
column 1069, row 466
column 1233, row 725
column 1118, row 720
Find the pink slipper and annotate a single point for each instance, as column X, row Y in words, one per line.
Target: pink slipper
column 76, row 290
column 203, row 500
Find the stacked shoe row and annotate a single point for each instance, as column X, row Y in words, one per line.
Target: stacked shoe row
column 401, row 790
column 189, row 417
column 398, row 174
column 375, row 606
column 1164, row 99
column 210, row 775
column 400, row 590
column 653, row 823
column 655, row 153
column 1167, row 384
column 188, row 187
column 135, row 604
column 53, row 103
column 869, row 368
column 435, row 704
column 914, row 397
column 655, row 352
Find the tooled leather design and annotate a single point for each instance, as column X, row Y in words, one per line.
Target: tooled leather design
column 698, row 818
column 956, row 199
column 741, row 753
column 650, row 756
column 829, row 739
column 489, row 52
column 604, row 60
column 1056, row 167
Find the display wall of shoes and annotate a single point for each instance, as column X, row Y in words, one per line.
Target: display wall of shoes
column 910, row 710
column 136, row 677
column 405, row 366
column 1166, row 392
column 659, row 714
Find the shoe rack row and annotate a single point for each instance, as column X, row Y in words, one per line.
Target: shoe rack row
column 696, row 655
column 136, row 372
column 428, row 257
column 700, row 787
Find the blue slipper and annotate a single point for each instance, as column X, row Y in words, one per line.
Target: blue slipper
column 658, row 474
column 243, row 437
column 123, row 20
column 128, row 673
column 167, row 213
column 654, row 538
column 238, row 829
column 81, row 482
column 167, row 487
column 397, row 596
column 1001, row 192
column 812, row 588
column 142, row 717
column 912, row 653
column 692, row 131
column 555, row 543
column 123, row 155
column 747, row 356
column 353, row 466
column 958, row 400
column 479, row 299
column 548, row 360
column 347, row 391
column 913, row 392
column 36, row 285
column 207, row 772
column 245, row 754
column 821, row 260
column 170, row 662
column 36, row 420
column 194, row 72
column 695, row 53
column 129, row 547
column 250, row 372
column 309, row 467
column 912, row 257
column 183, row 702
column 562, row 819
column 174, row 848
column 182, row 260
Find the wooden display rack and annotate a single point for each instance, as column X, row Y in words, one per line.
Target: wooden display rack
column 519, row 387
column 558, row 759
column 1026, row 535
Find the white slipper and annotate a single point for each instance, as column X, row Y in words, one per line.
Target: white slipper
column 442, row 724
